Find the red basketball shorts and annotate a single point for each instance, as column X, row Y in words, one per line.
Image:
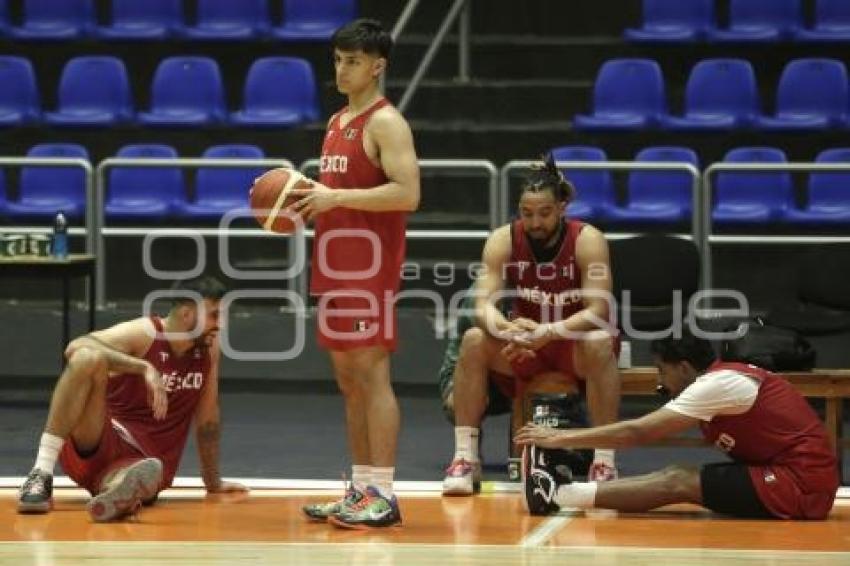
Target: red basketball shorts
column 88, row 471
column 356, row 319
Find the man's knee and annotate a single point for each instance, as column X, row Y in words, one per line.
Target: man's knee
column 594, row 353
column 89, row 362
column 473, row 342
column 683, row 481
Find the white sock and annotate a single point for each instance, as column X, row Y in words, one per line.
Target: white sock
column 361, row 476
column 48, row 452
column 382, row 478
column 581, row 495
column 466, row 443
column 604, row 457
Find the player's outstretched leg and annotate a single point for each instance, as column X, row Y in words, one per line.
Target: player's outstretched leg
column 124, row 493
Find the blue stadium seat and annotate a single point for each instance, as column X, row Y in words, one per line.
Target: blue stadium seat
column 150, row 19
column 19, row 97
column 659, row 197
column 832, row 22
column 594, row 188
column 55, row 19
column 760, row 21
column 279, row 91
column 144, row 193
column 229, row 20
column 743, row 197
column 828, row 194
column 218, row 191
column 44, row 191
column 186, row 91
column 721, row 95
column 673, row 21
column 308, row 20
column 93, row 91
column 812, row 95
column 628, row 95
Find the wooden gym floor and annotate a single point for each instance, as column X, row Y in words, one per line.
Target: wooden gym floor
column 266, row 527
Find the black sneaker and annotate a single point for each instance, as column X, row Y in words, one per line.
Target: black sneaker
column 36, row 495
column 540, row 481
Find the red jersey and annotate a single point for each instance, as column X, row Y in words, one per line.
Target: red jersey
column 546, row 291
column 185, row 378
column 780, row 429
column 379, row 253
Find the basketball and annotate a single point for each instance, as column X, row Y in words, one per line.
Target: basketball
column 270, row 196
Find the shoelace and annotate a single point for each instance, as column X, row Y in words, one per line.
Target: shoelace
column 363, row 503
column 460, row 465
column 35, row 483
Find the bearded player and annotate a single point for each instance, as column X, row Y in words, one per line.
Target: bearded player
column 556, row 272
column 123, row 406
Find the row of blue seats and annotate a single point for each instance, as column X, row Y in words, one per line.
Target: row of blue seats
column 304, row 20
column 186, row 91
column 654, row 197
column 739, row 198
column 143, row 194
column 749, row 21
column 721, row 94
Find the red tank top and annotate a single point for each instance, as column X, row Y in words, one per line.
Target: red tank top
column 549, row 291
column 379, row 252
column 779, row 429
column 127, row 401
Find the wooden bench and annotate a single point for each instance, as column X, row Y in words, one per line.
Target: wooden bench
column 831, row 385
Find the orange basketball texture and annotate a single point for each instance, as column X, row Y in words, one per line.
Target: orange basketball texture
column 269, row 198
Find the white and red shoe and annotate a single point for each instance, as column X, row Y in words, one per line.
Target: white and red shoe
column 462, row 477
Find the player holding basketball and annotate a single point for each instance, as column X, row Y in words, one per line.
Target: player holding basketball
column 369, row 181
column 557, row 272
column 121, row 410
column 782, row 463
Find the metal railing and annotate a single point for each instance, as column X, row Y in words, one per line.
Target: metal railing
column 696, row 217
column 182, row 163
column 436, row 43
column 769, row 239
column 479, row 165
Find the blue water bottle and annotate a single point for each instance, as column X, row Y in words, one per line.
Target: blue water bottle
column 60, row 236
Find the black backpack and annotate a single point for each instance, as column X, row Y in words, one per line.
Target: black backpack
column 769, row 347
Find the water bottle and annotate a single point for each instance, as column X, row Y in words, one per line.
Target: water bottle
column 60, row 236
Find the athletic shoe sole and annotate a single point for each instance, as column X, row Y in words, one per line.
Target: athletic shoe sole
column 35, row 508
column 140, row 481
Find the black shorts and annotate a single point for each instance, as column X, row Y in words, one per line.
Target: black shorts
column 728, row 489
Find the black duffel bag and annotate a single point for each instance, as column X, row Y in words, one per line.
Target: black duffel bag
column 769, row 347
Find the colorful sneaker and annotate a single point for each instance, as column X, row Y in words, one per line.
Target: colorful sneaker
column 540, row 481
column 462, row 478
column 600, row 471
column 36, row 495
column 126, row 491
column 321, row 511
column 374, row 510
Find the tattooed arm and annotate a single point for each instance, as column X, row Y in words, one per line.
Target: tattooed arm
column 208, row 431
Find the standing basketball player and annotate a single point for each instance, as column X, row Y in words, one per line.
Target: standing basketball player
column 782, row 467
column 126, row 400
column 557, row 273
column 369, row 181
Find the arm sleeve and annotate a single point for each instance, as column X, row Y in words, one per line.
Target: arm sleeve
column 724, row 392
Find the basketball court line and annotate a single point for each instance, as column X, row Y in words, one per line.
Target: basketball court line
column 240, row 553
